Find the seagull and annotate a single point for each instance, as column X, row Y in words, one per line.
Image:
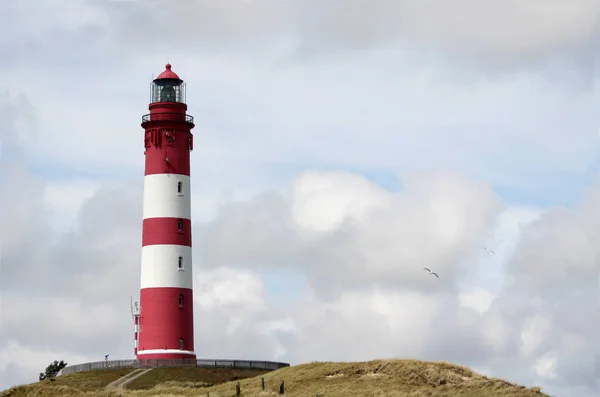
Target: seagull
column 430, row 272
column 489, row 250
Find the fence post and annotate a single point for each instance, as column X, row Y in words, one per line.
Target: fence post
column 262, row 383
column 237, row 389
column 281, row 388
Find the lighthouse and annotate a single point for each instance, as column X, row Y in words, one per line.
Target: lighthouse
column 164, row 321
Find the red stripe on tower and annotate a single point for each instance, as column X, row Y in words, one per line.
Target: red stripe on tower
column 176, row 231
column 166, row 323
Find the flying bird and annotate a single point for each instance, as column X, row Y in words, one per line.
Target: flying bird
column 430, row 272
column 489, row 250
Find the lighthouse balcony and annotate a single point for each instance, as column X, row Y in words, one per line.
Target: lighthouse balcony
column 167, row 116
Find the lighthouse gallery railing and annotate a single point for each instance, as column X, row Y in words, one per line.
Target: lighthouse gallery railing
column 167, row 116
column 202, row 363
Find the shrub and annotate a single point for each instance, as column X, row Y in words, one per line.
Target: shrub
column 52, row 370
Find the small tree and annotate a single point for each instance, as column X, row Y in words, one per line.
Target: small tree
column 52, row 370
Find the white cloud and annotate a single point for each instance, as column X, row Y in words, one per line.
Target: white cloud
column 534, row 333
column 68, row 197
column 498, row 123
column 497, row 332
column 478, row 299
column 545, row 366
column 64, row 200
column 321, row 202
column 404, row 311
column 381, row 244
column 508, row 231
column 536, row 26
column 34, row 361
column 226, row 288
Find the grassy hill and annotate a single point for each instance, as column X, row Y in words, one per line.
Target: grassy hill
column 393, row 378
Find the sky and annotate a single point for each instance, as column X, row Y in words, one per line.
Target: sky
column 340, row 147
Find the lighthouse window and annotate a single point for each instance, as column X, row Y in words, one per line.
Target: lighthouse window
column 180, row 262
column 180, row 300
column 181, row 344
column 180, row 225
column 180, row 188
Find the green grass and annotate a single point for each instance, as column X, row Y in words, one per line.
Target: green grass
column 88, row 381
column 76, row 384
column 191, row 377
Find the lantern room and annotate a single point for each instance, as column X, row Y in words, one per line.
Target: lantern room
column 167, row 87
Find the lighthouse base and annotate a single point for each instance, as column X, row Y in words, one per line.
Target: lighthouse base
column 165, row 354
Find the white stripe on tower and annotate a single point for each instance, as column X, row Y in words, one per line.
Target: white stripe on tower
column 159, row 263
column 167, row 196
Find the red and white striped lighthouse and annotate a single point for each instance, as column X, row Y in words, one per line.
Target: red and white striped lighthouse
column 166, row 319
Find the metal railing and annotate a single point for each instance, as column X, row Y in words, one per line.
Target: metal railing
column 200, row 363
column 167, row 116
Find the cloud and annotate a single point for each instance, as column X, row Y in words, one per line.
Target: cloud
column 322, row 202
column 26, row 361
column 468, row 26
column 229, row 288
column 478, row 299
column 234, row 318
column 331, row 220
column 417, row 114
column 398, row 105
column 387, row 323
column 545, row 366
column 526, row 331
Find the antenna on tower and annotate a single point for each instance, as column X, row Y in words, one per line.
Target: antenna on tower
column 135, row 310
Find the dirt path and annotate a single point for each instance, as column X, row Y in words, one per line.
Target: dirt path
column 123, row 381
